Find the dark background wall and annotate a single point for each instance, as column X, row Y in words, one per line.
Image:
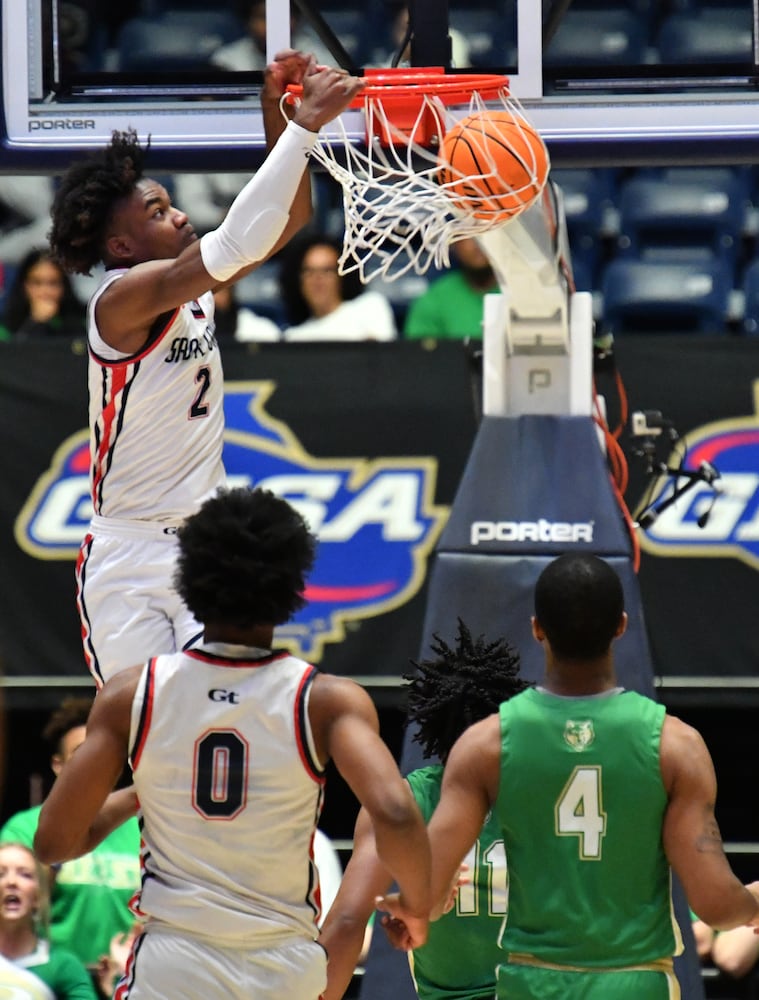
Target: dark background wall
column 392, row 403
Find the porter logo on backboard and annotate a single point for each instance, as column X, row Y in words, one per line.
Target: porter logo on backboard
column 729, row 520
column 376, row 520
column 530, row 531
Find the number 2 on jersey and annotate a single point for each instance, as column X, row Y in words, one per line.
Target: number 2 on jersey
column 200, row 408
column 579, row 812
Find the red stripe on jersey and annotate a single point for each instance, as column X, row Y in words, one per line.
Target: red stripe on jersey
column 84, row 619
column 230, row 661
column 134, row 905
column 117, row 375
column 151, row 345
column 301, row 722
column 145, row 716
column 315, row 896
column 107, row 423
column 127, row 980
column 134, row 902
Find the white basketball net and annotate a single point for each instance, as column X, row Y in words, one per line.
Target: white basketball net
column 399, row 217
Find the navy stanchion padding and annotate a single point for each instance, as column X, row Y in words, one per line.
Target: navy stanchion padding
column 533, row 488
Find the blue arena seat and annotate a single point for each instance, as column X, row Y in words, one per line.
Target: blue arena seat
column 156, row 8
column 7, row 276
column 598, row 38
column 588, row 196
column 739, row 176
column 489, row 30
column 583, row 272
column 669, row 218
column 720, row 34
column 750, row 317
column 645, row 11
column 176, row 40
column 659, row 297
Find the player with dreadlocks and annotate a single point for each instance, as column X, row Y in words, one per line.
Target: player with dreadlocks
column 458, row 686
column 155, row 376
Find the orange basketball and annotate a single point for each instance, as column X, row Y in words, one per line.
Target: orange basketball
column 493, row 162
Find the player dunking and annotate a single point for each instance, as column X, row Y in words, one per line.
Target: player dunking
column 229, row 798
column 155, row 375
column 597, row 791
column 458, row 687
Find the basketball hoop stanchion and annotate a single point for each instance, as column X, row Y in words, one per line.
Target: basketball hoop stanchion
column 404, row 201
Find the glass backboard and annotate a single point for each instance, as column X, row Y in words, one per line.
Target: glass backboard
column 605, row 81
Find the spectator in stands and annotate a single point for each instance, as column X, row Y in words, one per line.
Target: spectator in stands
column 452, row 306
column 90, row 896
column 249, row 52
column 236, row 322
column 400, row 52
column 321, row 304
column 24, row 215
column 23, row 909
column 734, row 952
column 41, row 301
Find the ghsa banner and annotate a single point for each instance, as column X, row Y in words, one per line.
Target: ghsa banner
column 376, row 520
column 719, row 521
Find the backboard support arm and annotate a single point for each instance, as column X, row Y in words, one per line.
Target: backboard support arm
column 537, row 332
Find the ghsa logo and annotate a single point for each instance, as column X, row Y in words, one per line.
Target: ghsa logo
column 730, row 518
column 376, row 520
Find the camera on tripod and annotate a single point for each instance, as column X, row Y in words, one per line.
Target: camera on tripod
column 648, row 423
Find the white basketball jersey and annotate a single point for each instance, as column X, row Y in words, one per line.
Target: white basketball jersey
column 156, row 417
column 230, row 792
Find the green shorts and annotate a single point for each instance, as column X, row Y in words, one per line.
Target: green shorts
column 530, row 982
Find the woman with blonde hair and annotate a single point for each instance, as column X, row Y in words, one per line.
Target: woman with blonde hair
column 24, row 901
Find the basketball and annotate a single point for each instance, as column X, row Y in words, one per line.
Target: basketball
column 493, row 164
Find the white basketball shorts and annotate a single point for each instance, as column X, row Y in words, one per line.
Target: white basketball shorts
column 128, row 607
column 166, row 964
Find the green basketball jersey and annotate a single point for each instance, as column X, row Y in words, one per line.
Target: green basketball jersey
column 581, row 803
column 458, row 961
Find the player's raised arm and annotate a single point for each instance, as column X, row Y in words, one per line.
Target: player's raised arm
column 297, row 68
column 154, row 239
column 690, row 833
column 346, row 729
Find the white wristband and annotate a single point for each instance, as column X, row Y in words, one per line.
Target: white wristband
column 259, row 214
